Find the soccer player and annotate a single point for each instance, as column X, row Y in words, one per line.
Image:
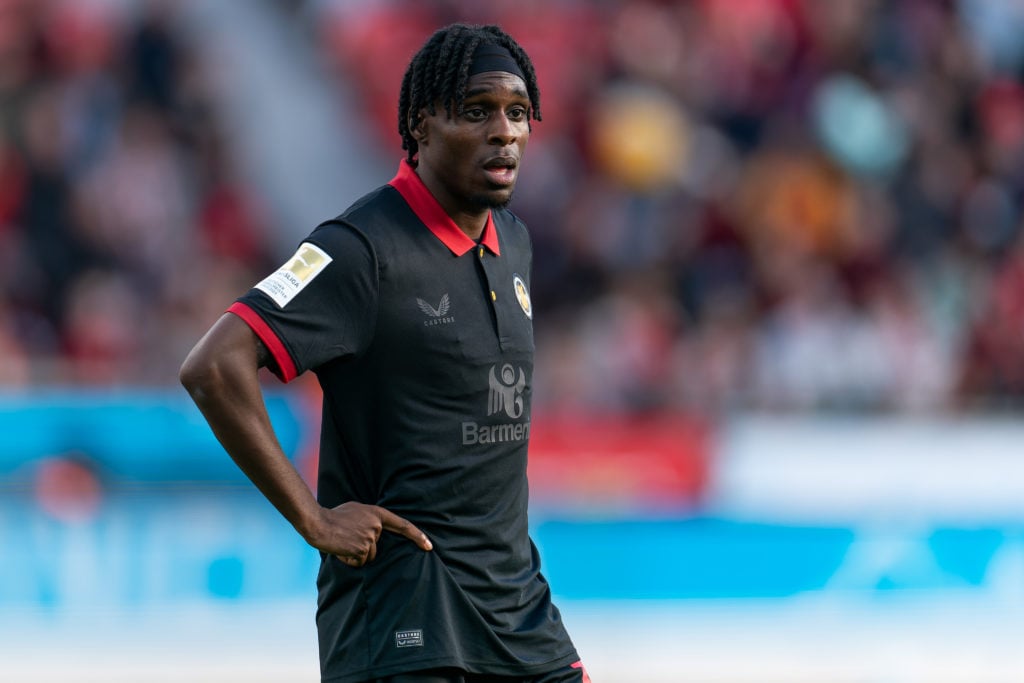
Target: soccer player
column 413, row 310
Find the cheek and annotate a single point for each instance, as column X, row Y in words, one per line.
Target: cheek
column 461, row 150
column 523, row 134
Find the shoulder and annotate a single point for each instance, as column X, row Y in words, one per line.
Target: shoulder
column 361, row 222
column 381, row 207
column 382, row 218
column 339, row 237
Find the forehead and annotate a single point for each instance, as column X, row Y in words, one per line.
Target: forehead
column 499, row 83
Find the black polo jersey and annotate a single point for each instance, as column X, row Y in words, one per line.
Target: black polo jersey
column 422, row 341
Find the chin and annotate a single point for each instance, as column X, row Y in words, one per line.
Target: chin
column 497, row 200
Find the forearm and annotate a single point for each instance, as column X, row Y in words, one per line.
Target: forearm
column 223, row 382
column 221, row 376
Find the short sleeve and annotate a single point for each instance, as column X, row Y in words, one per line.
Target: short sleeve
column 320, row 305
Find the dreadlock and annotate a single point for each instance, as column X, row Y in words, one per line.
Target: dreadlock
column 440, row 70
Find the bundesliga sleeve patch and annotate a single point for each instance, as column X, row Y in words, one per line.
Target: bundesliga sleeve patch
column 291, row 278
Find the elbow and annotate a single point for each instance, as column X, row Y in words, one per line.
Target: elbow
column 198, row 374
column 223, row 360
column 188, row 375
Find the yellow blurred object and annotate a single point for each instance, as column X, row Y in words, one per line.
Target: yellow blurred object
column 641, row 138
column 801, row 199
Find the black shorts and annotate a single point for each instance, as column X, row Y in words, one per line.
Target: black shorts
column 574, row 673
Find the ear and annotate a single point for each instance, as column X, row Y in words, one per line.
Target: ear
column 418, row 126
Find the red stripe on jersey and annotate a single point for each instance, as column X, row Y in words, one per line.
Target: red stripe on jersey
column 276, row 347
column 579, row 665
column 433, row 215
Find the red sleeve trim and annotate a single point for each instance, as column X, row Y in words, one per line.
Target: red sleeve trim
column 273, row 343
column 579, row 665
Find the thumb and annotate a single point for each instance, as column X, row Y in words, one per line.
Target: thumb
column 392, row 522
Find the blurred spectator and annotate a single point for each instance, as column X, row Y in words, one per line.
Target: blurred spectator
column 993, row 373
column 114, row 180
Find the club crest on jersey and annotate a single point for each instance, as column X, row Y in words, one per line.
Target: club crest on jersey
column 522, row 295
column 436, row 316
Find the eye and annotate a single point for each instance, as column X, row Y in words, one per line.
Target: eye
column 518, row 113
column 475, row 114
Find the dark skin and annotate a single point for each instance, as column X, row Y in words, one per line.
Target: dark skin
column 469, row 162
column 221, row 375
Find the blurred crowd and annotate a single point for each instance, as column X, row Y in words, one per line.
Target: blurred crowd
column 757, row 204
column 123, row 226
column 735, row 204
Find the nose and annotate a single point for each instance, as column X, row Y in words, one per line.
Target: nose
column 504, row 131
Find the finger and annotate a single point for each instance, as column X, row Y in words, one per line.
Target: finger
column 398, row 525
column 354, row 561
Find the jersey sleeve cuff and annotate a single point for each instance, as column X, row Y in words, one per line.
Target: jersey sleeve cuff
column 285, row 365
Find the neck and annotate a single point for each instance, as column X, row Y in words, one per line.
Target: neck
column 473, row 225
column 470, row 218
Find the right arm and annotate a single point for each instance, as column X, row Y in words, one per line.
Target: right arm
column 221, row 376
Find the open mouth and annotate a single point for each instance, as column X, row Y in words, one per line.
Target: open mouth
column 501, row 171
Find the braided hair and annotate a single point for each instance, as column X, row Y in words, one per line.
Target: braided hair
column 440, row 70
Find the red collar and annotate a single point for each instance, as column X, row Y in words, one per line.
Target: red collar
column 427, row 209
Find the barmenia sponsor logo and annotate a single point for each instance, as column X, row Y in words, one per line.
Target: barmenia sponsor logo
column 504, row 396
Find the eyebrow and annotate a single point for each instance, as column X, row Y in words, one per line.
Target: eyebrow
column 517, row 91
